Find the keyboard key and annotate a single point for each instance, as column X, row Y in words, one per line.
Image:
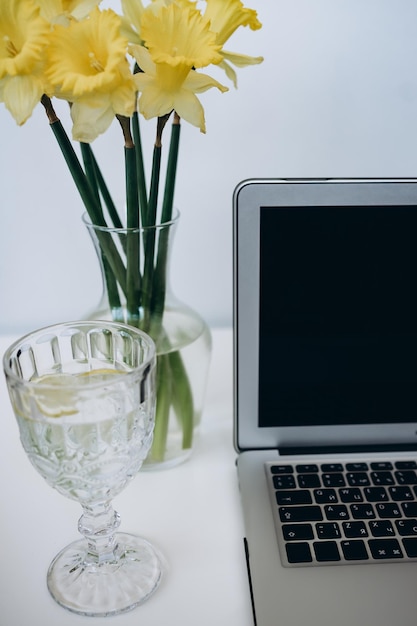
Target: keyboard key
column 404, row 465
column 332, row 467
column 300, row 514
column 292, row 497
column 385, row 549
column 356, row 467
column 410, row 546
column 326, row 551
column 296, row 532
column 298, row 553
column 307, row 468
column 406, row 526
column 324, row 496
column 358, row 479
column 406, row 477
column 328, row 530
column 350, row 494
column 308, row 481
column 387, row 510
column 381, row 528
column 282, row 469
column 336, row 511
column 362, row 511
column 354, row 529
column 382, row 465
column 284, row 482
column 382, row 478
column 375, row 494
column 333, row 480
column 401, row 493
column 409, row 509
column 354, row 550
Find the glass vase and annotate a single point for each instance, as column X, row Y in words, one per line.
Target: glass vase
column 138, row 292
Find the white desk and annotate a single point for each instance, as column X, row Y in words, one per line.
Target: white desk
column 192, row 513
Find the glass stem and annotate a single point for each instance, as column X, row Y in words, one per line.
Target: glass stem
column 98, row 524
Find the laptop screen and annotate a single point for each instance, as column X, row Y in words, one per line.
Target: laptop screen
column 337, row 315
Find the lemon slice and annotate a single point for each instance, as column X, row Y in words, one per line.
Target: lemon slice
column 56, row 394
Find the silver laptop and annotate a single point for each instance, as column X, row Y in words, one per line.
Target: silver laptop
column 325, row 297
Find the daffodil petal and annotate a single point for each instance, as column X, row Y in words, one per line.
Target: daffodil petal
column 226, row 16
column 61, row 11
column 188, row 106
column 198, row 83
column 133, row 10
column 20, row 95
column 153, row 102
column 241, row 60
column 143, row 58
column 89, row 122
column 230, row 72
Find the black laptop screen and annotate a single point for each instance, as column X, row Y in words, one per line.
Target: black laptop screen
column 338, row 315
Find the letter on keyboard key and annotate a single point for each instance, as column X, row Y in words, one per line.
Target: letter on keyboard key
column 298, row 553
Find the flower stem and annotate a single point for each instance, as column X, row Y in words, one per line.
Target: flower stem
column 90, row 171
column 149, row 238
column 160, row 278
column 108, row 200
column 133, row 239
column 164, row 385
column 171, row 174
column 182, row 397
column 143, row 196
column 85, row 191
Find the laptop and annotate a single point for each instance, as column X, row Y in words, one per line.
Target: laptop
column 325, row 395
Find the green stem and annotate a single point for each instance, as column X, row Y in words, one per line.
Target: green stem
column 86, row 193
column 140, row 169
column 164, row 386
column 108, row 200
column 150, row 235
column 133, row 238
column 160, row 274
column 90, row 171
column 171, row 174
column 111, row 283
column 182, row 397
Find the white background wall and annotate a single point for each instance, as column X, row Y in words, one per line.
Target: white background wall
column 335, row 96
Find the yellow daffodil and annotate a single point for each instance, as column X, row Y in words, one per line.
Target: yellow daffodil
column 132, row 15
column 94, row 73
column 23, row 38
column 225, row 17
column 177, row 34
column 62, row 11
column 164, row 87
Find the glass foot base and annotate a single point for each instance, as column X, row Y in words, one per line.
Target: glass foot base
column 119, row 584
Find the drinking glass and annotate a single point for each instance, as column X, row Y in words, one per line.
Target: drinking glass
column 84, row 397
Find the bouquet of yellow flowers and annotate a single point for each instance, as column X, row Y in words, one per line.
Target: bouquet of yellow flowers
column 144, row 60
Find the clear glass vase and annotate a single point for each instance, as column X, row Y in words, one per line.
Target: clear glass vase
column 140, row 295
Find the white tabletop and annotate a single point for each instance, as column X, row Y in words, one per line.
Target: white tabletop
column 192, row 513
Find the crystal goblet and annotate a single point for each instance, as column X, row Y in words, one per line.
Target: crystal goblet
column 83, row 394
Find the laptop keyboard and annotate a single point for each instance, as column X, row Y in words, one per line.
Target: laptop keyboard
column 344, row 513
